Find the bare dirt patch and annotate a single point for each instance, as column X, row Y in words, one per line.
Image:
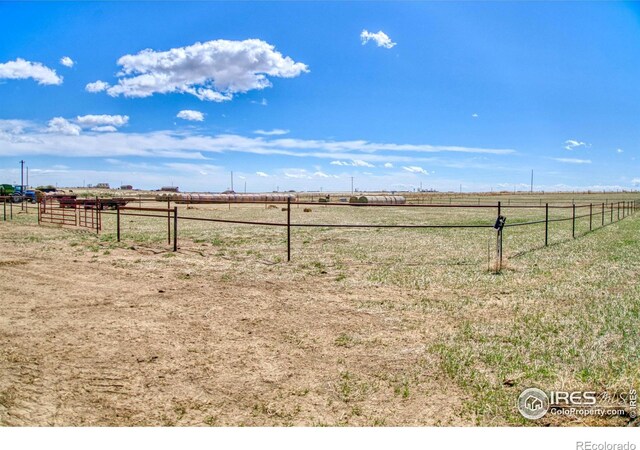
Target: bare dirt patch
column 134, row 337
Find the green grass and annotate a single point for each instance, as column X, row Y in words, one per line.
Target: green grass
column 565, row 315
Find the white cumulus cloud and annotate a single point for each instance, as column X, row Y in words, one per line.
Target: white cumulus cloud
column 98, row 120
column 22, row 69
column 388, row 165
column 97, row 86
column 212, row 71
column 262, row 174
column 60, row 125
column 380, row 38
column 67, row 62
column 189, row 114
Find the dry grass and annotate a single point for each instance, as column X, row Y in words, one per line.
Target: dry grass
column 363, row 327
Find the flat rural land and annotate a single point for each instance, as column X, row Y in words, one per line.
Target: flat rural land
column 363, row 327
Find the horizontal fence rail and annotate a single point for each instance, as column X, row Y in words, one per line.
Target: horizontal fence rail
column 88, row 214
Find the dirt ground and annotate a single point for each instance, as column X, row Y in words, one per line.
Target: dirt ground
column 94, row 340
column 365, row 328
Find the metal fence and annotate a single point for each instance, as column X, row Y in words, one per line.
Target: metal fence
column 51, row 210
column 599, row 215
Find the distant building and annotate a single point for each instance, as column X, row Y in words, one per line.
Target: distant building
column 126, row 187
column 169, row 188
column 102, row 186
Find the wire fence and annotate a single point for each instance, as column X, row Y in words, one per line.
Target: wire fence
column 578, row 218
column 479, row 216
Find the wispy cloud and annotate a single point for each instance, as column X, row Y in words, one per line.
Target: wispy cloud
column 304, row 174
column 572, row 160
column 63, row 137
column 274, row 132
column 380, row 38
column 354, row 163
column 415, row 169
column 572, row 144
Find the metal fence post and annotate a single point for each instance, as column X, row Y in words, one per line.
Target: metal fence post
column 4, row 201
column 546, row 224
column 573, row 222
column 618, row 210
column 175, row 228
column 590, row 216
column 603, row 214
column 288, row 228
column 118, row 221
column 11, row 210
column 169, row 222
column 499, row 208
column 97, row 217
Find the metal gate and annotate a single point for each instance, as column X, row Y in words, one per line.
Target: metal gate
column 69, row 211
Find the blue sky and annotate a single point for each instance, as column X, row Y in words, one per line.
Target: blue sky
column 298, row 96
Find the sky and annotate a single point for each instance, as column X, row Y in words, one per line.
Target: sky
column 312, row 95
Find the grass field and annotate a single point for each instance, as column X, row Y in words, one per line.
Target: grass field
column 362, row 327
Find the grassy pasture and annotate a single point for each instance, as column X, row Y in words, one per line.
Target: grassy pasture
column 414, row 329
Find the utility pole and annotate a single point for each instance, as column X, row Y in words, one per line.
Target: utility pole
column 232, row 180
column 351, row 185
column 22, row 177
column 532, row 181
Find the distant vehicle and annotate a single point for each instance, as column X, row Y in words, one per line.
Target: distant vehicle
column 29, row 194
column 46, row 189
column 10, row 190
column 169, row 188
